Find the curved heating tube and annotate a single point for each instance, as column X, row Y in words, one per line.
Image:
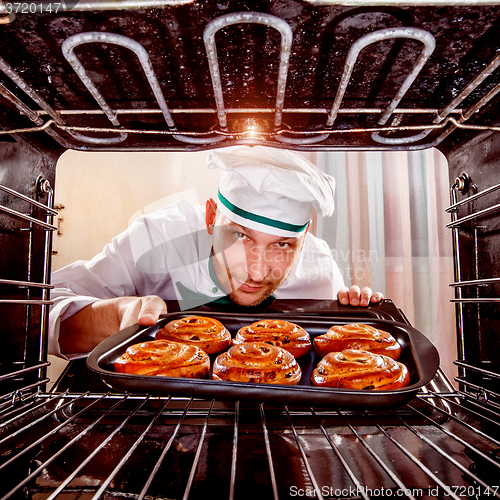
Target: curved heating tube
column 123, row 41
column 417, row 34
column 211, row 49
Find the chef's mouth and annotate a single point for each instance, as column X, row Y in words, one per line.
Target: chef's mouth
column 248, row 287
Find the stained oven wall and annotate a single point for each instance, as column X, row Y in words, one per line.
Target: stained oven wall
column 22, row 250
column 477, row 243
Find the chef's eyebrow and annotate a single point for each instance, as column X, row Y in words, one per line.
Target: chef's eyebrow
column 247, row 230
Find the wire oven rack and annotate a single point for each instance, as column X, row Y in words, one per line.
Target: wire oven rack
column 104, row 445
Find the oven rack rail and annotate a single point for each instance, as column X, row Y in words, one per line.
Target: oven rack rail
column 433, row 429
column 263, row 137
column 478, row 379
column 24, row 390
column 29, row 298
column 43, row 186
column 443, row 118
column 103, row 5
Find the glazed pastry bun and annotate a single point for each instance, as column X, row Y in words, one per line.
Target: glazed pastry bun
column 257, row 362
column 208, row 334
column 357, row 336
column 276, row 332
column 353, row 369
column 164, row 358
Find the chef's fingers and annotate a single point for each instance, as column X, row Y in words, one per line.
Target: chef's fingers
column 350, row 296
column 343, row 296
column 354, row 295
column 365, row 295
column 376, row 297
column 151, row 307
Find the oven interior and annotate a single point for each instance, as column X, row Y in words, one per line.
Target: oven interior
column 183, row 75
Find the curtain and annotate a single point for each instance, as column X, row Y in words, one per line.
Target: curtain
column 389, row 232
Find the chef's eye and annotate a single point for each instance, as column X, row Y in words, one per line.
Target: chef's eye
column 283, row 245
column 240, row 236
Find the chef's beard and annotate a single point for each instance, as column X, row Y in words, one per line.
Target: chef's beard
column 270, row 287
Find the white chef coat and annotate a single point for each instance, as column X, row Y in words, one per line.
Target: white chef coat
column 167, row 253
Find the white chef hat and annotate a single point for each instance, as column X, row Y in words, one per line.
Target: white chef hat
column 271, row 190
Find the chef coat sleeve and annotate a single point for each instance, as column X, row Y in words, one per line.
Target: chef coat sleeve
column 115, row 272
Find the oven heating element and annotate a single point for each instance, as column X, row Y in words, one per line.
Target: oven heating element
column 80, row 439
column 320, row 135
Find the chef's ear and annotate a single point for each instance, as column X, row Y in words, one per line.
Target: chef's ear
column 210, row 213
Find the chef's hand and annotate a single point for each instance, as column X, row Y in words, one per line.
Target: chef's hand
column 87, row 328
column 356, row 297
column 143, row 310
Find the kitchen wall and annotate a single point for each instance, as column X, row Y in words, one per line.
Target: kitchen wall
column 98, row 195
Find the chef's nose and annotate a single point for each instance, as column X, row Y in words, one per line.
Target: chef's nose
column 257, row 264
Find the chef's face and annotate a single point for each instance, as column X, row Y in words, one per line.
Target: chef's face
column 249, row 264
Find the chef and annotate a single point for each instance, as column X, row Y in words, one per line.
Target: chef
column 250, row 246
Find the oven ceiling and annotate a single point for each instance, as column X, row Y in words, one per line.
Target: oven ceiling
column 191, row 75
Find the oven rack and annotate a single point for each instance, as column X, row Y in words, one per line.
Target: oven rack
column 28, row 296
column 132, row 446
column 103, row 5
column 44, row 187
column 478, row 378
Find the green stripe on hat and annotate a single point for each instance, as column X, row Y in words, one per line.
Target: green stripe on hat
column 260, row 218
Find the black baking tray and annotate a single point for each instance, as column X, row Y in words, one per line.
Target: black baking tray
column 417, row 353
